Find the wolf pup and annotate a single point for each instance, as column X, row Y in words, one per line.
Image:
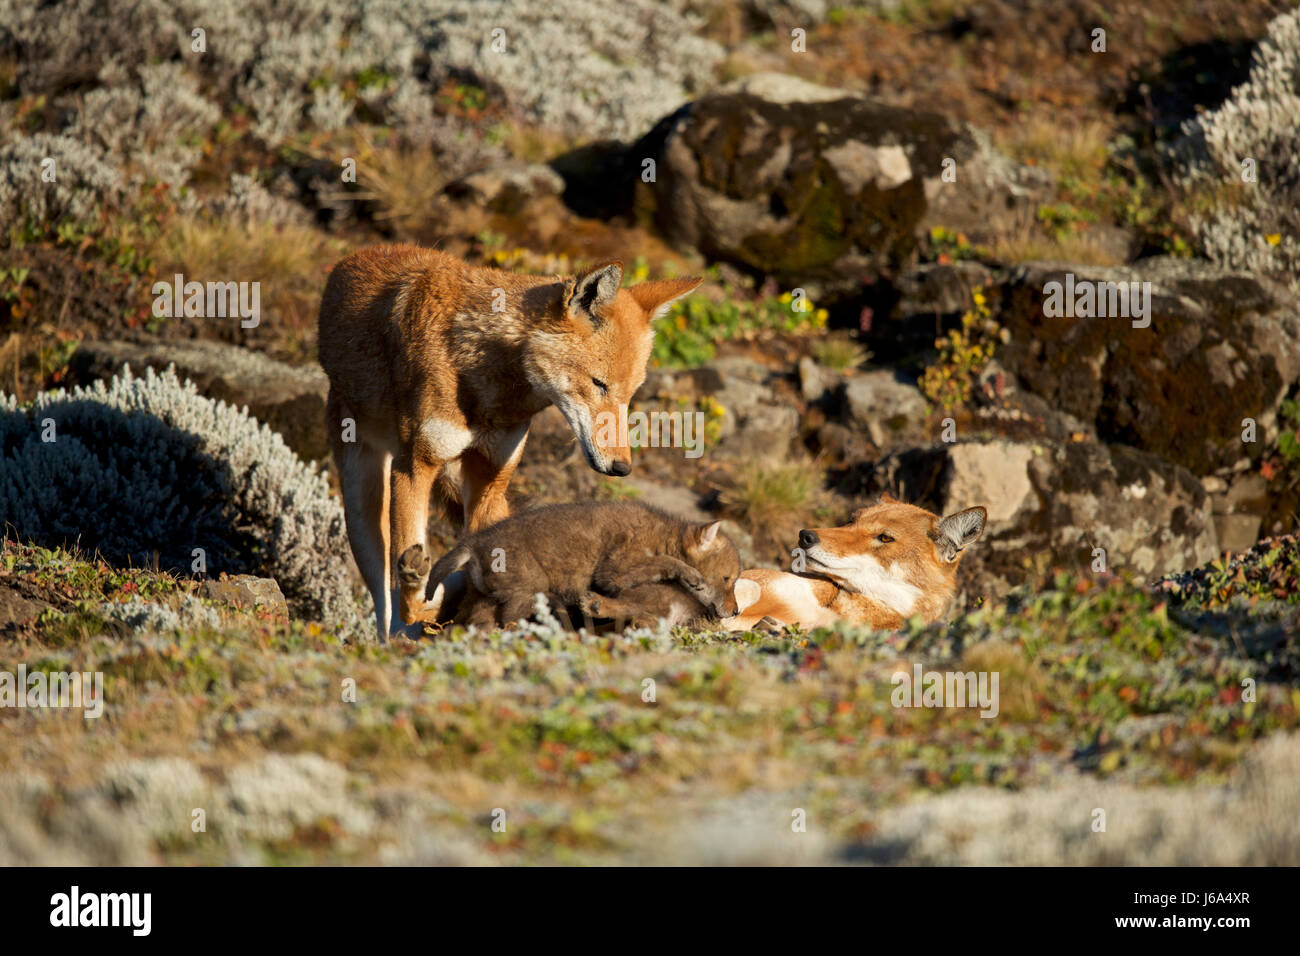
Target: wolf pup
column 436, row 368
column 892, row 561
column 647, row 604
column 566, row 551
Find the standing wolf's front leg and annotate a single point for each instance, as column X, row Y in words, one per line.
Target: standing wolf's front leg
column 412, row 483
column 486, row 470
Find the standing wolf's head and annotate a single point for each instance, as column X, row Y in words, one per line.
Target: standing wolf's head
column 591, row 357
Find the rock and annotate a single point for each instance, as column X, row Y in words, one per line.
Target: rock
column 1050, row 505
column 249, row 593
column 674, row 499
column 17, row 611
column 931, row 299
column 821, row 188
column 762, row 431
column 1221, row 347
column 506, row 187
column 1239, row 509
column 290, row 399
column 817, row 382
column 1237, row 532
column 890, row 409
column 680, row 383
column 744, row 391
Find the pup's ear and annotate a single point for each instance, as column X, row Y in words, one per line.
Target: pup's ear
column 887, row 499
column 657, row 295
column 747, row 592
column 592, row 290
column 958, row 530
column 702, row 537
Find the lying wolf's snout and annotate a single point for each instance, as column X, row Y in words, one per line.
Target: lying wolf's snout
column 808, row 539
column 620, row 469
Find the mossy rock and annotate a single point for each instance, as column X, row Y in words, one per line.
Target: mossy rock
column 817, row 187
column 1221, row 347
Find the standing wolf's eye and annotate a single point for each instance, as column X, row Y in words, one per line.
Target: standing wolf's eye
column 604, row 389
column 884, row 538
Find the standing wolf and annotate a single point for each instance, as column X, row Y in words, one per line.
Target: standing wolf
column 438, row 366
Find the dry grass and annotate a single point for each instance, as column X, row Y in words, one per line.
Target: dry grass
column 289, row 261
column 772, row 499
column 1078, row 149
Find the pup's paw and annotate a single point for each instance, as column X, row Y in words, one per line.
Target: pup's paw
column 694, row 582
column 413, row 567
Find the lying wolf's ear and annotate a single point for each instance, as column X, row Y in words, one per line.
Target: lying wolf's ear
column 592, row 290
column 657, row 295
column 958, row 530
column 887, row 499
column 747, row 593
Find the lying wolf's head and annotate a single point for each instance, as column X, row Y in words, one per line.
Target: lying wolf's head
column 895, row 553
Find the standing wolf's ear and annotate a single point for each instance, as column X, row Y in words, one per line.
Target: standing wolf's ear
column 657, row 295
column 592, row 290
column 958, row 530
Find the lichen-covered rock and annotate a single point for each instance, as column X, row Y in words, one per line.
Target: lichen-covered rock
column 1051, row 505
column 1221, row 347
column 248, row 592
column 889, row 408
column 820, row 187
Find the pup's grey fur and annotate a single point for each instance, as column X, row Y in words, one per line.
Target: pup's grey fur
column 573, row 552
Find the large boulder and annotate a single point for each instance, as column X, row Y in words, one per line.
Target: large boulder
column 819, row 187
column 1051, row 505
column 1221, row 347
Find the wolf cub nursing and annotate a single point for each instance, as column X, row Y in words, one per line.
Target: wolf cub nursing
column 612, row 559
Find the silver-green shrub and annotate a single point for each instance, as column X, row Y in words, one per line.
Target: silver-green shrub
column 85, row 180
column 583, row 66
column 1259, row 121
column 147, row 470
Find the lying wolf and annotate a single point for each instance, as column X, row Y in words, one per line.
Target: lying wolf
column 574, row 553
column 891, row 562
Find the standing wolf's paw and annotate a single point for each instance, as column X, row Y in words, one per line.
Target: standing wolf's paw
column 589, row 603
column 413, row 567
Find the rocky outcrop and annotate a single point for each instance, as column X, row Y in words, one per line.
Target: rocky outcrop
column 819, row 187
column 1052, row 505
column 1221, row 347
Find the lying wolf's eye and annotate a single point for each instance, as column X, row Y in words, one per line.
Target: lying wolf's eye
column 604, row 389
column 884, row 538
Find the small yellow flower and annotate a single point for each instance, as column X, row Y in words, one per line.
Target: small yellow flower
column 978, row 297
column 1274, row 239
column 786, row 297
